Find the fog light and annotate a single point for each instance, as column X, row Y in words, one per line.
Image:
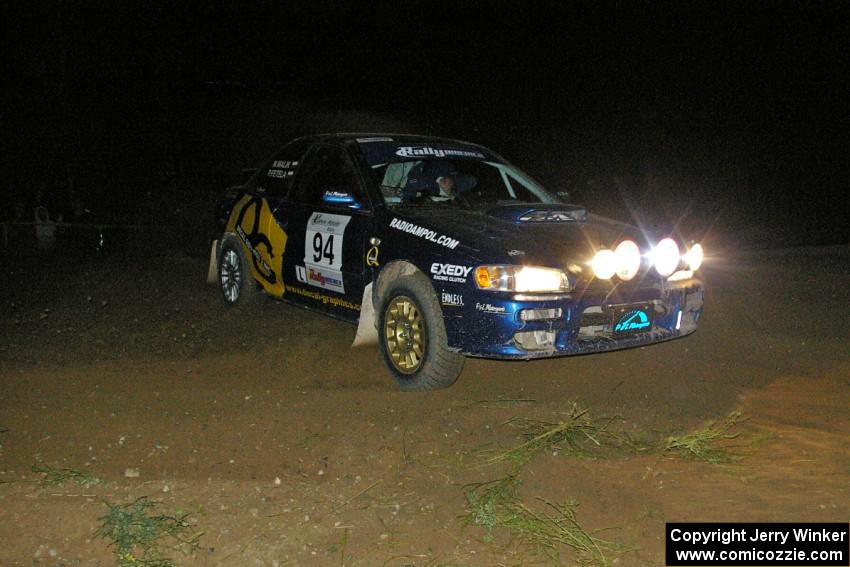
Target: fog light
column 535, row 340
column 538, row 314
column 681, row 275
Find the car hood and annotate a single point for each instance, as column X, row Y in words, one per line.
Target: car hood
column 549, row 235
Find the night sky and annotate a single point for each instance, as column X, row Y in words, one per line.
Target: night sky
column 735, row 114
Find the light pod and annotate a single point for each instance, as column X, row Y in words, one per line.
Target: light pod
column 627, row 256
column 694, row 257
column 604, row 264
column 665, row 257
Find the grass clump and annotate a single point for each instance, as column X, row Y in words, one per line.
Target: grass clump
column 708, row 443
column 581, row 436
column 549, row 526
column 60, row 477
column 497, row 504
column 575, row 436
column 142, row 538
column 487, row 503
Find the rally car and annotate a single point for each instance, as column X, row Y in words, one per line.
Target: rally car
column 441, row 249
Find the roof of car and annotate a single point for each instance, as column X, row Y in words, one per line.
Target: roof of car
column 349, row 136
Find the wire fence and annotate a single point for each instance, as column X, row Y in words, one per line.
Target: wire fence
column 46, row 233
column 103, row 239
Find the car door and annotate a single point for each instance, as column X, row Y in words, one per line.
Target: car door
column 329, row 221
column 259, row 217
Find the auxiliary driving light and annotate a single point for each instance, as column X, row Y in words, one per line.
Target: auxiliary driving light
column 665, row 257
column 604, row 264
column 694, row 257
column 627, row 256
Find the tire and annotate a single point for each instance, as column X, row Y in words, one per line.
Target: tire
column 412, row 336
column 234, row 277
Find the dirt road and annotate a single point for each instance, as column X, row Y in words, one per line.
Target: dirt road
column 289, row 448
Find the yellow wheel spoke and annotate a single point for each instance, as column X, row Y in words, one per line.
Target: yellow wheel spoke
column 404, row 335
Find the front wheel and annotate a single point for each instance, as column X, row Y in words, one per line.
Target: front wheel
column 413, row 336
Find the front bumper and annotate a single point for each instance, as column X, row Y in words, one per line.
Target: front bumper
column 491, row 325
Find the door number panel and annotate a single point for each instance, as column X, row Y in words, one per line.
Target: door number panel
column 323, row 251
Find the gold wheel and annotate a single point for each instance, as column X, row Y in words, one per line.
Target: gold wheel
column 405, row 334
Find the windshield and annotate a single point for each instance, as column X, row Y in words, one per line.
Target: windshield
column 446, row 174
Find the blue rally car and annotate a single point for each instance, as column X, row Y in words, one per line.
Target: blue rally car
column 441, row 249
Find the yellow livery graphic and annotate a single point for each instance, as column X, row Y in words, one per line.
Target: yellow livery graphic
column 265, row 241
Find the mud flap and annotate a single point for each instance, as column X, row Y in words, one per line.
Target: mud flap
column 212, row 271
column 367, row 334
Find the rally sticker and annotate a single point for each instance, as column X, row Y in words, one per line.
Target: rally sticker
column 327, row 279
column 450, row 272
column 490, row 308
column 452, row 299
column 325, row 299
column 423, row 232
column 323, row 250
column 282, row 168
column 427, row 151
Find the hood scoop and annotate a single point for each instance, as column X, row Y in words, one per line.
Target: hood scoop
column 549, row 213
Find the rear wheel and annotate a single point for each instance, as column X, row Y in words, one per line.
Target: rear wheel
column 413, row 336
column 234, row 278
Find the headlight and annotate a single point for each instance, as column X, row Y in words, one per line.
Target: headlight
column 604, row 264
column 694, row 257
column 627, row 256
column 521, row 278
column 665, row 257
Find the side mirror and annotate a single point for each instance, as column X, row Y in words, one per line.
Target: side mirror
column 340, row 196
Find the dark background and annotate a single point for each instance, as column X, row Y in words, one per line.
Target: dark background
column 728, row 119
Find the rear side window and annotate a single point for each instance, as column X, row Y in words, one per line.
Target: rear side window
column 275, row 179
column 327, row 169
